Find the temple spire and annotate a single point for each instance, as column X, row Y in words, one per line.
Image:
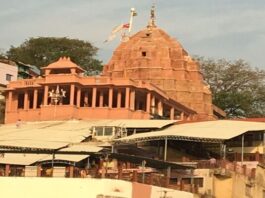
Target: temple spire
column 151, row 22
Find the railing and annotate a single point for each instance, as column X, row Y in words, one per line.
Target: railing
column 246, row 168
column 26, row 82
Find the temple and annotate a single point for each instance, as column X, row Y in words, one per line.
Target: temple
column 150, row 76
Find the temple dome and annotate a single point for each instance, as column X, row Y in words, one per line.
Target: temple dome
column 152, row 48
column 63, row 65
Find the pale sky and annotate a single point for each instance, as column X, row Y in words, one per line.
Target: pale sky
column 229, row 29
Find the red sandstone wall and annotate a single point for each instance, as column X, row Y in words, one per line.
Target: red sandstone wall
column 165, row 64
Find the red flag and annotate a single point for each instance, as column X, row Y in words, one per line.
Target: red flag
column 127, row 25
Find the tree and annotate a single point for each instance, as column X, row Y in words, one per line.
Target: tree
column 45, row 50
column 237, row 88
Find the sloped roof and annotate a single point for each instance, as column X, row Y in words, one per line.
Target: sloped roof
column 43, row 135
column 63, row 62
column 71, row 158
column 212, row 131
column 58, row 134
column 21, row 158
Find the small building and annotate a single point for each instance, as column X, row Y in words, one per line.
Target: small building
column 26, row 71
column 8, row 73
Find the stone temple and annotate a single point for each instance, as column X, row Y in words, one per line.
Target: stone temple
column 151, row 55
column 150, row 76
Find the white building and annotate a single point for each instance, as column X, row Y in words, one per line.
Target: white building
column 7, row 73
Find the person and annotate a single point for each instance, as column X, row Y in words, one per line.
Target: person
column 18, row 124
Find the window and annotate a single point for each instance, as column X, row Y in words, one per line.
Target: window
column 198, row 182
column 186, row 180
column 143, row 53
column 99, row 131
column 108, row 131
column 8, row 77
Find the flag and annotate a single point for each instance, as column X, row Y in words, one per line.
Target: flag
column 126, row 25
column 116, row 30
column 113, row 33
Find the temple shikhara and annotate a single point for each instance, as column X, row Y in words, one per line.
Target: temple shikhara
column 145, row 128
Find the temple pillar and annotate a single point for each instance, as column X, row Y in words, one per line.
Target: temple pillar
column 9, row 105
column 148, row 102
column 101, row 98
column 182, row 116
column 160, row 108
column 78, row 97
column 172, row 113
column 127, row 98
column 94, row 97
column 132, row 100
column 110, row 97
column 190, row 117
column 73, row 71
column 72, row 94
column 26, row 100
column 45, row 100
column 35, row 98
column 153, row 105
column 119, row 99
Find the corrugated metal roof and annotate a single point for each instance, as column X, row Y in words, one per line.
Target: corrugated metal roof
column 85, row 147
column 57, row 134
column 71, row 158
column 50, row 135
column 199, row 131
column 20, row 158
column 27, row 159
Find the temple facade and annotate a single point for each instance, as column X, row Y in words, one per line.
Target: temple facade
column 64, row 93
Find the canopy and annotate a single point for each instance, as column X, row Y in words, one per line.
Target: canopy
column 208, row 131
column 58, row 134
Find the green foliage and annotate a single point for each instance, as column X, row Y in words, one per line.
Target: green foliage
column 237, row 88
column 45, row 50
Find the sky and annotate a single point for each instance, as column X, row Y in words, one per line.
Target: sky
column 230, row 29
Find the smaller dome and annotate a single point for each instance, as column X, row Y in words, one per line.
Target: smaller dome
column 64, row 63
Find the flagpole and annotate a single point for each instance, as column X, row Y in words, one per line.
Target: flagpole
column 131, row 20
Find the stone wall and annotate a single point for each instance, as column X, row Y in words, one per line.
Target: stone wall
column 153, row 56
